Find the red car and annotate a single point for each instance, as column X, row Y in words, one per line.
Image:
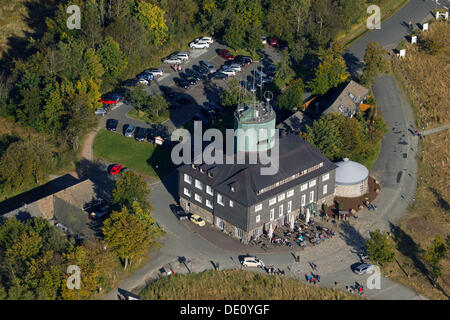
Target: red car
column 108, row 101
column 115, row 169
column 273, row 41
column 225, row 54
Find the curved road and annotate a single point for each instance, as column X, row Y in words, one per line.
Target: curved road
column 395, row 168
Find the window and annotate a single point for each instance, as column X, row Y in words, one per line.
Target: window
column 198, row 184
column 258, row 218
column 187, row 178
column 231, row 203
column 198, row 198
column 281, row 197
column 280, row 211
column 290, row 193
column 272, row 201
column 258, row 207
column 303, row 187
column 220, row 199
column 256, row 233
column 272, row 214
column 311, row 196
column 303, row 200
column 325, row 177
column 238, row 232
column 325, row 189
column 289, row 208
column 312, row 183
column 187, row 192
column 209, row 190
column 209, row 204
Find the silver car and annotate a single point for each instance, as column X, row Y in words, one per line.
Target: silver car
column 100, row 111
column 362, row 268
column 182, row 55
column 208, row 66
column 155, row 72
column 130, row 131
column 172, row 60
column 199, row 45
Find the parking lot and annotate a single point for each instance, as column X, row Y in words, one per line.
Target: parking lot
column 203, row 91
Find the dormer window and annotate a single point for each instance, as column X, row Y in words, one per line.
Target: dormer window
column 193, row 166
column 232, row 189
column 201, row 170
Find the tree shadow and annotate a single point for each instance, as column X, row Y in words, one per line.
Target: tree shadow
column 353, row 63
column 351, row 236
column 441, row 201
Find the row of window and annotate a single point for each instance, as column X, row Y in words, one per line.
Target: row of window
column 280, row 212
column 209, row 204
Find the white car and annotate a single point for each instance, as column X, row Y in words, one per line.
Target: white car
column 208, row 40
column 155, row 72
column 252, row 262
column 235, row 67
column 264, row 40
column 181, row 55
column 228, row 71
column 143, row 81
column 199, row 45
column 100, row 111
column 172, row 60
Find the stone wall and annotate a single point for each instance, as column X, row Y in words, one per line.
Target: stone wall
column 350, row 191
column 194, row 209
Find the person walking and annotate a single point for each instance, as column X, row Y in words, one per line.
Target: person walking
column 410, row 26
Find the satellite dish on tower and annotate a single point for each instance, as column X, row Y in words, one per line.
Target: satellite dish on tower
column 268, row 95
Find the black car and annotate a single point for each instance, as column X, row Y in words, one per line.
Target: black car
column 140, row 134
column 195, row 74
column 283, row 45
column 188, row 78
column 217, row 75
column 151, row 134
column 111, row 124
column 243, row 60
column 202, row 70
column 183, row 83
column 179, row 212
column 168, row 92
column 214, row 107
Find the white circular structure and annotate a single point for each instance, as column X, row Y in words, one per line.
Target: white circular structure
column 351, row 179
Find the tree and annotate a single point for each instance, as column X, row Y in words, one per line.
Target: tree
column 375, row 63
column 331, row 72
column 130, row 187
column 284, row 73
column 435, row 252
column 153, row 19
column 138, row 97
column 292, row 97
column 126, row 235
column 380, row 247
column 231, row 97
column 156, row 105
column 113, row 60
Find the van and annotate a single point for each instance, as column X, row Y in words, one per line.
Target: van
column 208, row 66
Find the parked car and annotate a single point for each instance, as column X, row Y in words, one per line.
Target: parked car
column 100, row 111
column 129, row 131
column 183, row 83
column 99, row 213
column 228, row 71
column 273, row 41
column 236, row 67
column 140, row 134
column 168, row 92
column 195, row 218
column 264, row 39
column 283, row 45
column 143, row 81
column 189, row 78
column 182, row 55
column 214, row 106
column 362, row 268
column 155, row 72
column 206, row 39
column 252, row 262
column 145, row 75
column 111, row 124
column 195, row 74
column 251, row 86
column 115, row 169
column 199, row 45
column 217, row 75
column 179, row 212
column 131, row 83
column 201, row 69
column 224, row 53
column 243, row 60
column 208, row 66
column 172, row 60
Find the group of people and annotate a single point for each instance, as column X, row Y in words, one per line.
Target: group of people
column 357, row 289
column 313, row 278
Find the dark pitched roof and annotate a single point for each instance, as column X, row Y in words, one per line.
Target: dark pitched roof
column 295, row 155
column 347, row 99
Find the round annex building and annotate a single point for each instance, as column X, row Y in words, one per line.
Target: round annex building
column 351, row 179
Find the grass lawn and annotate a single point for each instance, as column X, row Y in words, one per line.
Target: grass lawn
column 237, row 285
column 142, row 116
column 143, row 156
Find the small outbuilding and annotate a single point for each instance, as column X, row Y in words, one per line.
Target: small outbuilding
column 351, row 179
